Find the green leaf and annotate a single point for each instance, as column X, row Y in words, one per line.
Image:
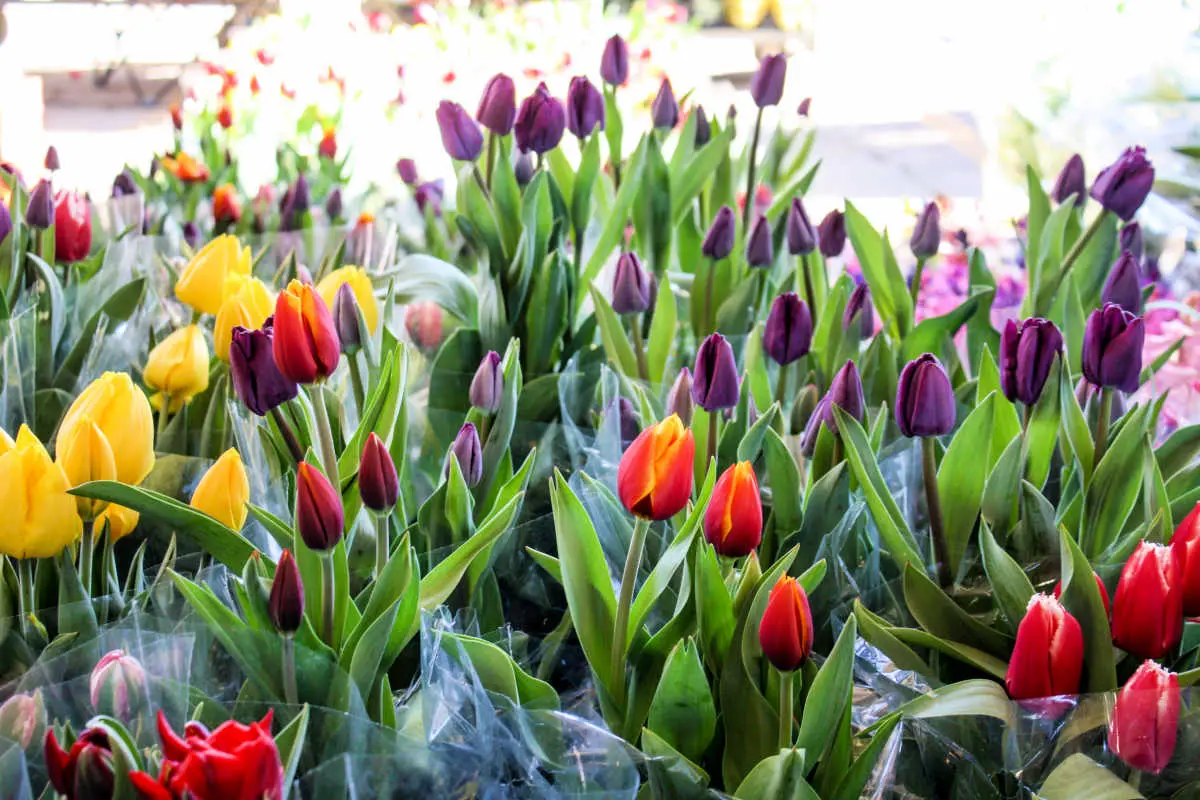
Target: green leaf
column 878, row 632
column 942, row 617
column 290, row 741
column 1179, row 450
column 1010, row 584
column 784, row 476
column 612, row 334
column 441, row 580
column 119, row 306
column 829, row 695
column 1114, row 488
column 700, row 167
column 715, row 619
column 975, row 698
column 1081, row 596
column 423, row 277
column 662, row 332
column 614, row 227
column 935, row 334
column 999, row 505
column 1075, row 432
column 797, row 188
column 1035, row 223
column 1043, row 428
column 961, row 479
column 1080, row 778
column 498, row 673
column 683, row 712
column 367, row 656
column 778, row 777
column 585, row 182
column 851, row 786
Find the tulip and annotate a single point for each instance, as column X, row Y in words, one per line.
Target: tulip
column 72, row 227
column 1147, row 614
column 23, row 718
column 225, row 116
column 84, row 773
column 202, row 284
column 360, row 284
column 117, row 685
column 718, row 242
column 487, row 386
column 760, row 251
column 319, row 516
column 498, row 105
column 733, row 520
column 703, row 128
column 247, row 304
column 801, row 237
column 428, row 196
column 845, row 392
column 407, row 169
column 627, row 421
column 1112, row 348
column 654, row 478
column 831, row 234
column 5, row 222
column 423, row 322
column 859, row 305
column 305, row 342
column 614, row 64
column 717, row 383
column 1047, row 660
column 1124, row 286
column 297, row 200
column 664, row 111
column 679, row 399
column 51, row 161
column 925, row 403
column 124, row 185
column 804, row 107
column 585, row 108
column 766, row 87
column 40, row 213
column 1145, row 718
column 786, row 630
column 327, row 147
column 1185, row 542
column 540, row 122
column 191, row 234
column 345, row 320
column 460, row 134
column 176, row 117
column 1122, row 186
column 1058, row 588
column 120, row 520
column 631, row 285
column 1131, row 239
column 87, row 456
column 257, row 380
column 468, row 452
column 123, row 414
column 333, row 204
column 178, row 366
column 226, row 208
column 927, row 232
column 789, row 329
column 523, row 168
column 1027, row 352
column 224, row 490
column 377, row 482
column 184, row 168
column 286, row 601
column 1071, row 182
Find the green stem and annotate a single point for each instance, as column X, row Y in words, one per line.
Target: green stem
column 750, row 174
column 382, row 545
column 914, row 291
column 1106, row 401
column 327, row 605
column 760, row 295
column 491, row 157
column 639, row 347
column 289, row 436
column 1070, row 258
column 164, row 410
column 781, row 387
column 480, row 180
column 633, row 561
column 710, row 313
column 324, row 434
column 714, row 422
column 87, row 546
column 290, row 694
column 785, row 710
column 937, row 531
column 356, row 384
column 25, row 595
column 810, row 294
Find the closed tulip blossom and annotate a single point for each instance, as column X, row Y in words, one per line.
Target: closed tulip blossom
column 118, row 521
column 498, row 106
column 224, row 490
column 345, row 310
column 83, row 772
column 925, row 403
column 801, row 237
column 39, row 211
column 460, row 134
column 654, row 478
column 378, row 484
column 786, row 630
column 247, row 304
column 859, row 307
column 1112, row 348
column 257, row 380
column 319, row 515
column 766, row 87
column 585, row 108
column 788, row 333
column 202, row 284
column 760, row 251
column 117, row 685
column 122, row 413
column 360, row 283
column 305, row 342
column 286, row 600
column 831, row 234
column 406, row 168
column 718, row 242
column 1185, row 543
column 1124, row 285
column 1047, row 660
column 927, row 233
column 664, row 111
column 1145, row 718
column 1071, row 182
column 5, row 223
column 1131, row 239
column 733, row 520
column 487, row 386
column 845, row 392
column 540, row 122
column 716, row 384
column 87, row 456
column 1100, row 587
column 614, row 63
column 226, row 207
column 41, row 518
column 1123, row 186
column 1027, row 352
column 177, row 367
column 72, row 227
column 1147, row 614
column 23, row 718
column 631, row 285
column 703, row 128
column 679, row 399
column 468, row 452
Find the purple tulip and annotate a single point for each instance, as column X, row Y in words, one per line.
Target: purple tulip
column 498, row 105
column 52, row 163
column 345, row 319
column 760, row 250
column 300, row 200
column 846, row 392
column 927, row 233
column 831, row 234
column 257, row 381
column 333, row 204
column 627, row 421
column 191, row 234
column 585, row 108
column 614, row 64
column 460, row 134
column 1123, row 286
column 1027, row 352
column 39, row 213
column 925, row 399
column 859, row 305
column 5, row 223
column 766, row 87
column 540, row 122
column 523, row 168
column 1131, row 240
column 124, row 185
column 1071, row 181
column 703, row 128
column 1112, row 348
column 801, row 237
column 717, row 384
column 429, row 196
column 787, row 336
column 664, row 111
column 631, row 285
column 487, row 387
column 407, row 168
column 679, row 399
column 469, row 453
column 718, row 242
column 1122, row 186
column 804, row 107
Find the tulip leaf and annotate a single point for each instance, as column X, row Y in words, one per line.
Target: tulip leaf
column 1179, row 450
column 290, row 741
column 1043, row 428
column 473, row 207
column 616, row 343
column 999, row 505
column 120, row 305
column 981, row 335
column 878, row 633
column 1081, row 597
column 828, row 336
column 940, row 615
column 936, row 334
column 506, row 198
column 961, row 479
column 1010, row 584
column 1095, row 261
column 784, row 477
column 545, row 328
column 682, row 711
column 1035, row 223
column 980, row 660
column 1075, row 432
column 75, row 612
column 365, row 660
column 855, row 780
column 715, row 619
column 829, row 695
column 687, row 183
column 778, row 777
column 1114, row 487
column 498, row 673
column 614, row 226
column 1080, row 778
column 58, row 308
column 441, row 580
column 671, row 773
column 799, row 187
column 547, row 562
column 975, row 698
column 662, row 331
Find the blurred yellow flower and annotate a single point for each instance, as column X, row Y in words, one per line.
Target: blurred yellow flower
column 360, row 284
column 87, row 456
column 247, row 303
column 178, row 366
column 224, row 491
column 121, row 521
column 39, row 516
column 122, row 413
column 202, row 283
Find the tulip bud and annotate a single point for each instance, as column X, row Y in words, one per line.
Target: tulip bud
column 305, row 342
column 469, row 453
column 927, row 233
column 191, row 234
column 1058, row 588
column 804, row 107
column 718, row 242
column 766, row 87
column 1027, row 352
column 631, row 285
column 614, row 64
column 831, row 234
column 86, row 771
column 122, row 413
column 1131, row 239
column 118, row 685
column 804, row 409
column 498, row 105
column 801, row 237
column 5, row 222
column 86, row 455
column 361, row 290
column 124, row 185
column 286, row 601
column 1123, row 287
column 540, row 122
column 1145, row 718
column 326, row 148
column 717, row 383
column 654, row 478
column 1123, row 186
column 1047, row 660
column 319, row 515
column 407, row 168
column 664, row 111
column 429, row 196
column 39, row 213
column 733, row 520
column 760, row 251
column 224, row 490
column 1186, row 544
column 176, row 117
column 523, row 168
column 423, row 322
column 460, row 134
column 786, row 630
column 333, row 204
column 23, row 718
column 703, row 128
column 845, row 392
column 487, row 387
column 51, row 163
column 679, row 399
column 925, row 403
column 1071, row 181
column 300, row 199
column 1147, row 618
column 377, row 482
column 345, row 319
column 121, row 521
column 226, row 207
column 627, row 420
column 178, row 365
column 257, row 380
column 1112, row 348
column 225, row 116
column 585, row 108
column 859, row 305
column 789, row 329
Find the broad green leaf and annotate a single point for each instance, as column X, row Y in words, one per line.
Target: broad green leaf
column 500, row 674
column 614, row 227
column 1114, row 488
column 941, row 616
column 961, row 479
column 1010, row 584
column 612, row 334
column 423, row 277
column 290, row 742
column 973, row 698
column 683, row 712
column 662, row 332
column 441, row 580
column 829, row 694
column 778, row 777
column 851, row 786
column 1082, row 598
column 1080, row 778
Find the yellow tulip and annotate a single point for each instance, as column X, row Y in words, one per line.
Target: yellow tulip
column 6, row 443
column 122, row 413
column 224, row 491
column 202, row 283
column 87, row 456
column 360, row 284
column 247, row 303
column 39, row 516
column 121, row 521
column 178, row 366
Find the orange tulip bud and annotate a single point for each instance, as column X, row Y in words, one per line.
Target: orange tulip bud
column 654, row 479
column 786, row 630
column 225, row 204
column 306, row 344
column 733, row 521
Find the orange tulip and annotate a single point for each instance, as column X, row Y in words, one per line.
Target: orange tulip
column 733, row 520
column 328, row 146
column 185, row 168
column 306, row 345
column 225, row 204
column 654, row 479
column 786, row 630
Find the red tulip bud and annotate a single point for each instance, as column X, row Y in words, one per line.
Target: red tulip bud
column 1145, row 719
column 319, row 516
column 286, row 602
column 654, row 479
column 1047, row 660
column 1147, row 616
column 733, row 520
column 1186, row 545
column 786, row 630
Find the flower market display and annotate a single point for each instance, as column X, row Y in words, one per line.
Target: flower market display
column 602, row 467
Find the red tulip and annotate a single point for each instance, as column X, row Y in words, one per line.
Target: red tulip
column 328, row 146
column 1047, row 660
column 1058, row 587
column 786, row 631
column 1147, row 618
column 72, row 227
column 319, row 514
column 654, row 479
column 85, row 771
column 377, row 482
column 225, row 116
column 176, row 117
column 1186, row 545
column 733, row 520
column 1145, row 719
column 225, row 204
column 286, row 601
column 306, row 345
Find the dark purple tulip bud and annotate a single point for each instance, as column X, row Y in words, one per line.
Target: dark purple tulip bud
column 703, row 128
column 804, row 107
column 377, row 482
column 1112, row 348
column 766, row 87
column 301, row 201
column 320, row 518
column 487, row 387
column 5, row 223
column 679, row 399
column 1027, row 352
column 925, row 398
column 469, row 454
column 631, row 285
column 831, row 234
column 859, row 305
column 812, row 426
column 1071, row 181
column 286, row 602
column 801, row 237
column 345, row 319
column 1123, row 286
column 429, row 195
column 788, row 333
column 1131, row 240
column 333, row 204
column 1122, row 186
column 498, row 105
column 927, row 233
column 124, row 185
column 523, row 168
column 52, row 162
column 40, row 211
column 627, row 420
column 664, row 111
column 540, row 122
column 407, row 168
column 191, row 234
column 585, row 108
column 846, row 392
column 460, row 134
column 614, row 64
column 257, row 381
column 717, row 384
column 718, row 242
column 760, row 250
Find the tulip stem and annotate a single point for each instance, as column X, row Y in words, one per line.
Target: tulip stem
column 290, row 695
column 1102, row 421
column 327, row 605
column 785, row 710
column 163, row 410
column 86, row 556
column 810, row 295
column 325, row 436
column 750, row 174
column 25, row 595
column 937, row 531
column 382, row 545
column 1070, row 258
column 633, row 561
column 289, row 436
column 714, row 423
column 639, row 347
column 491, row 156
column 480, row 180
column 781, row 387
column 710, row 313
column 914, row 291
column 356, row 384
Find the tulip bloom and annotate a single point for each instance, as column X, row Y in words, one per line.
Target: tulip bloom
column 1131, row 239
column 5, row 221
column 224, row 491
column 1186, row 544
column 654, row 479
column 460, row 134
column 801, row 237
column 1145, row 718
column 1112, row 348
column 664, row 111
column 927, row 233
column 202, row 284
column 40, row 517
column 614, row 63
column 226, row 207
column 631, row 285
column 345, row 310
column 468, row 452
column 319, row 514
column 117, row 685
column 925, row 399
column 703, row 128
column 360, row 283
column 327, row 147
column 1124, row 285
column 760, row 250
column 406, row 168
column 585, row 108
column 86, row 771
column 23, row 718
column 733, row 520
column 487, row 386
column 184, row 168
column 1047, row 660
column 256, row 378
column 831, row 234
column 39, row 211
column 123, row 414
column 333, row 204
column 766, row 87
column 120, row 520
column 718, row 242
column 1147, row 615
column 72, row 227
column 377, row 482
column 286, row 601
column 498, row 106
column 1027, row 352
column 178, row 366
column 717, row 384
column 789, row 329
column 423, row 323
column 786, row 630
column 305, row 343
column 679, row 399
column 1071, row 181
column 859, row 305
column 247, row 304
column 540, row 122
column 87, row 456
column 1123, row 186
